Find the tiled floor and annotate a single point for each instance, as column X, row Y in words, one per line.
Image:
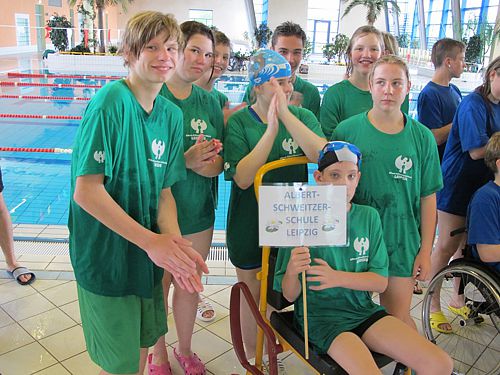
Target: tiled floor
column 40, row 326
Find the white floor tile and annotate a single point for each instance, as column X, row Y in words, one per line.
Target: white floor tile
column 73, row 310
column 13, row 337
column 5, row 319
column 65, row 344
column 12, row 290
column 26, row 360
column 62, row 294
column 28, row 306
column 81, row 364
column 54, row 370
column 47, row 323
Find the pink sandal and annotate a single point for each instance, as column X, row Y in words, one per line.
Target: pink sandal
column 158, row 370
column 190, row 365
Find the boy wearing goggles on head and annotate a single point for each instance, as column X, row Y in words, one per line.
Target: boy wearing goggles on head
column 353, row 325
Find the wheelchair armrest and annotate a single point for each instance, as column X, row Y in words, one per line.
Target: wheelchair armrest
column 235, row 323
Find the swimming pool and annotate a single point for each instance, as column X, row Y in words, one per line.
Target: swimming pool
column 38, row 184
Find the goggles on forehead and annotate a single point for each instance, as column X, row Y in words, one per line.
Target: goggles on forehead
column 336, row 151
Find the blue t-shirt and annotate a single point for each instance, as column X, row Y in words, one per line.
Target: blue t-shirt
column 484, row 219
column 472, row 127
column 436, row 107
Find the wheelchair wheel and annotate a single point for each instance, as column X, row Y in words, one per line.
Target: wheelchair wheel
column 475, row 341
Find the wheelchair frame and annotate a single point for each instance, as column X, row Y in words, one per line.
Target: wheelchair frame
column 474, row 278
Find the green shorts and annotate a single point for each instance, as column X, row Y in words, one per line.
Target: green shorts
column 115, row 328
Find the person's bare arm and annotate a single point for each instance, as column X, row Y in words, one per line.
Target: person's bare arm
column 162, row 249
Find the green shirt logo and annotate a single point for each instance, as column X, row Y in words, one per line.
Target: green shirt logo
column 158, row 147
column 289, row 145
column 199, row 126
column 403, row 164
column 99, row 156
column 361, row 245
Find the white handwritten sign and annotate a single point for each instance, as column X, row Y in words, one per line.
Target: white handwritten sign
column 302, row 215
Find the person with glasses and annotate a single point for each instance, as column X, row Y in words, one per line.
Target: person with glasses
column 352, row 326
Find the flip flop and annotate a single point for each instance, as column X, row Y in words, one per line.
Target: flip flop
column 437, row 318
column 203, row 307
column 190, row 365
column 17, row 272
column 463, row 311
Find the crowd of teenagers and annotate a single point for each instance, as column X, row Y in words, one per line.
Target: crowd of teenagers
column 144, row 191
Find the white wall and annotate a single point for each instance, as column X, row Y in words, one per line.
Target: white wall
column 286, row 10
column 228, row 15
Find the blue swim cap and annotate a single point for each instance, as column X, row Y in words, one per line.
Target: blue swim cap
column 265, row 64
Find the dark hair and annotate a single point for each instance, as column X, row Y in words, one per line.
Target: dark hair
column 485, row 89
column 444, row 48
column 190, row 28
column 288, row 28
column 142, row 28
column 362, row 31
column 492, row 153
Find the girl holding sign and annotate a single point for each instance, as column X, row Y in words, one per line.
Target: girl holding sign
column 401, row 175
column 348, row 329
column 265, row 131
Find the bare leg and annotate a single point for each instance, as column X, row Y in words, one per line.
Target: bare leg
column 352, row 354
column 184, row 304
column 397, row 299
column 445, row 247
column 392, row 337
column 160, row 354
column 248, row 324
column 7, row 241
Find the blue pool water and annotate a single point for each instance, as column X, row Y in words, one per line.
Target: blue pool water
column 37, row 185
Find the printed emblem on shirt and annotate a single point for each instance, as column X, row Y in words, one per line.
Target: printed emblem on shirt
column 158, row 149
column 227, row 166
column 99, row 156
column 361, row 246
column 199, row 126
column 403, row 165
column 289, row 146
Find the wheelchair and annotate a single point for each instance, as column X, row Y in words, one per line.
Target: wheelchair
column 475, row 340
column 278, row 331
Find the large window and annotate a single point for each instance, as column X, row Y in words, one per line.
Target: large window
column 55, row 3
column 322, row 23
column 22, row 29
column 201, row 15
column 260, row 9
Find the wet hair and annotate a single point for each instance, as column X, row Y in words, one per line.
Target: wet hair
column 142, row 28
column 444, row 48
column 288, row 28
column 390, row 59
column 391, row 44
column 492, row 153
column 362, row 31
column 221, row 38
column 191, row 28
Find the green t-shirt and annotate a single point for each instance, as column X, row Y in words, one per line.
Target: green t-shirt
column 221, row 98
column 243, row 132
column 195, row 197
column 397, row 171
column 139, row 155
column 366, row 252
column 311, row 100
column 344, row 100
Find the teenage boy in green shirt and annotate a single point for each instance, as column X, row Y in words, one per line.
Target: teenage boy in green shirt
column 122, row 221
